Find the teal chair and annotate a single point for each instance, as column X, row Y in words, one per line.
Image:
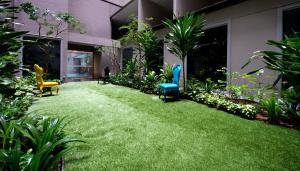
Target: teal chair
column 168, row 88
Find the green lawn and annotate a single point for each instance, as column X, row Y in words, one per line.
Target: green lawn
column 128, row 130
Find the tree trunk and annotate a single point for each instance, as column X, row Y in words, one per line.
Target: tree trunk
column 183, row 72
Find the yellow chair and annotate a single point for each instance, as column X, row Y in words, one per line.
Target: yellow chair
column 40, row 82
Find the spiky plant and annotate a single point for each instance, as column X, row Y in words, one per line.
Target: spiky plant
column 185, row 33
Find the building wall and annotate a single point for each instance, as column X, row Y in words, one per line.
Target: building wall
column 32, row 27
column 169, row 58
column 119, row 2
column 95, row 18
column 181, row 7
column 158, row 14
column 251, row 24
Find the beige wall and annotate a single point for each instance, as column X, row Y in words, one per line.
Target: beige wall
column 251, row 24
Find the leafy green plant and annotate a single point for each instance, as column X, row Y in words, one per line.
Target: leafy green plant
column 185, row 33
column 15, row 108
column 131, row 69
column 292, row 106
column 195, row 86
column 250, row 89
column 273, row 109
column 33, row 143
column 286, row 61
column 208, row 86
column 123, row 80
column 236, row 91
column 166, row 75
column 247, row 111
column 48, row 142
column 25, row 85
column 144, row 42
column 10, row 43
column 26, row 142
column 10, row 158
column 149, row 82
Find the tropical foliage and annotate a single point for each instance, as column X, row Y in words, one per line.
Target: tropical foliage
column 10, row 43
column 146, row 46
column 273, row 109
column 166, row 73
column 286, row 61
column 184, row 35
column 27, row 142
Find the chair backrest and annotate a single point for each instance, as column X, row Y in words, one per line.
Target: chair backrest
column 39, row 74
column 176, row 74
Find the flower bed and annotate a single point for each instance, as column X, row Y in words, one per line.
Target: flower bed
column 247, row 111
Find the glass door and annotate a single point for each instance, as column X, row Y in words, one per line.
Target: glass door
column 80, row 65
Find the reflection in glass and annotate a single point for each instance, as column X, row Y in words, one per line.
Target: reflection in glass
column 80, row 65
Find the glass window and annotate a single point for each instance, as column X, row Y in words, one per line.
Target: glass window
column 127, row 55
column 34, row 54
column 210, row 56
column 291, row 22
column 291, row 25
column 80, row 65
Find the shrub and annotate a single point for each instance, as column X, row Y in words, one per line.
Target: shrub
column 184, row 36
column 14, row 108
column 149, row 82
column 25, row 85
column 274, row 110
column 166, row 75
column 220, row 102
column 47, row 140
column 33, row 143
column 291, row 103
column 124, row 80
column 286, row 61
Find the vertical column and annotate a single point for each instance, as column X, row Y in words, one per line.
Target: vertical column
column 64, row 47
column 140, row 14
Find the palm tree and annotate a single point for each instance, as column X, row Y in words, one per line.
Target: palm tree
column 185, row 33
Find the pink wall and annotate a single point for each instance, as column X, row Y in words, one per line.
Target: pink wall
column 94, row 15
column 61, row 5
column 119, row 2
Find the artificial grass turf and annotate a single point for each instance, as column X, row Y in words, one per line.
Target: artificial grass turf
column 129, row 130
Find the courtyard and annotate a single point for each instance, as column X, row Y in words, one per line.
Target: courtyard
column 125, row 129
